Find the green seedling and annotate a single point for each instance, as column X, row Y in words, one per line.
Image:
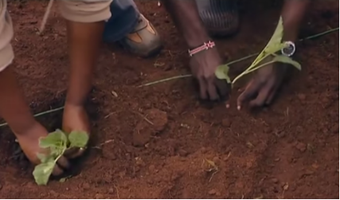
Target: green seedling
column 274, row 45
column 57, row 142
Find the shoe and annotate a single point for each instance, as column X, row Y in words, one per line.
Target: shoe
column 220, row 17
column 144, row 40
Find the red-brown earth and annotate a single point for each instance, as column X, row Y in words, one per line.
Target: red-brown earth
column 160, row 141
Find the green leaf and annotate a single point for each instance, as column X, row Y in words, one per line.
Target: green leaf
column 54, row 139
column 222, row 72
column 78, row 139
column 43, row 171
column 43, row 158
column 287, row 60
column 276, row 38
column 274, row 44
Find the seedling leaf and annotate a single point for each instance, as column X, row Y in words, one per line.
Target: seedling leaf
column 287, row 60
column 274, row 45
column 276, row 39
column 78, row 139
column 43, row 171
column 54, row 139
column 58, row 143
column 42, row 157
column 222, row 72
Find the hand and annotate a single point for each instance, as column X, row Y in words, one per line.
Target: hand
column 29, row 143
column 203, row 66
column 263, row 86
column 75, row 118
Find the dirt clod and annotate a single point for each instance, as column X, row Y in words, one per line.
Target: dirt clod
column 86, row 186
column 275, row 180
column 302, row 97
column 165, row 126
column 151, row 124
column 226, row 122
column 99, row 196
column 111, row 191
column 212, row 192
column 301, row 146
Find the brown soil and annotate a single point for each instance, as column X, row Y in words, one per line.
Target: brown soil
column 160, row 141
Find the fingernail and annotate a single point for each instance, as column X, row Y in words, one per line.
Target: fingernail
column 227, row 106
column 238, row 107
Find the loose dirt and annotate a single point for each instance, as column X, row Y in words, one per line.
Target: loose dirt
column 160, row 141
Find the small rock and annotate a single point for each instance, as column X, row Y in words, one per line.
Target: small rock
column 216, row 160
column 149, row 181
column 212, row 191
column 285, row 187
column 225, row 158
column 152, row 168
column 54, row 194
column 302, row 97
column 267, row 129
column 111, row 191
column 301, row 147
column 226, row 122
column 275, row 180
column 183, row 153
column 99, row 196
column 86, row 186
column 139, row 161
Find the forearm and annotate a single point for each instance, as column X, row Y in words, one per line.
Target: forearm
column 186, row 18
column 293, row 13
column 84, row 40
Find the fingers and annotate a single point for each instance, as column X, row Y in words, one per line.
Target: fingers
column 223, row 89
column 61, row 165
column 203, row 88
column 272, row 95
column 212, row 91
column 216, row 89
column 262, row 97
column 57, row 171
column 74, row 152
column 250, row 91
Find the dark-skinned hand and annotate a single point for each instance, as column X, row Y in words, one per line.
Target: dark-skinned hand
column 203, row 66
column 263, row 86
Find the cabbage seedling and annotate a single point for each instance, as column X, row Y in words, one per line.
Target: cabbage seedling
column 274, row 45
column 57, row 142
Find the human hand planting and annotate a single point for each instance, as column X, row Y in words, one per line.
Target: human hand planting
column 263, row 86
column 203, row 67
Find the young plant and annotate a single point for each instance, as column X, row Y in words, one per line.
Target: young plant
column 274, row 45
column 57, row 142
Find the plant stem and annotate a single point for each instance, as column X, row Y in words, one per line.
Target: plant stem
column 249, row 70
